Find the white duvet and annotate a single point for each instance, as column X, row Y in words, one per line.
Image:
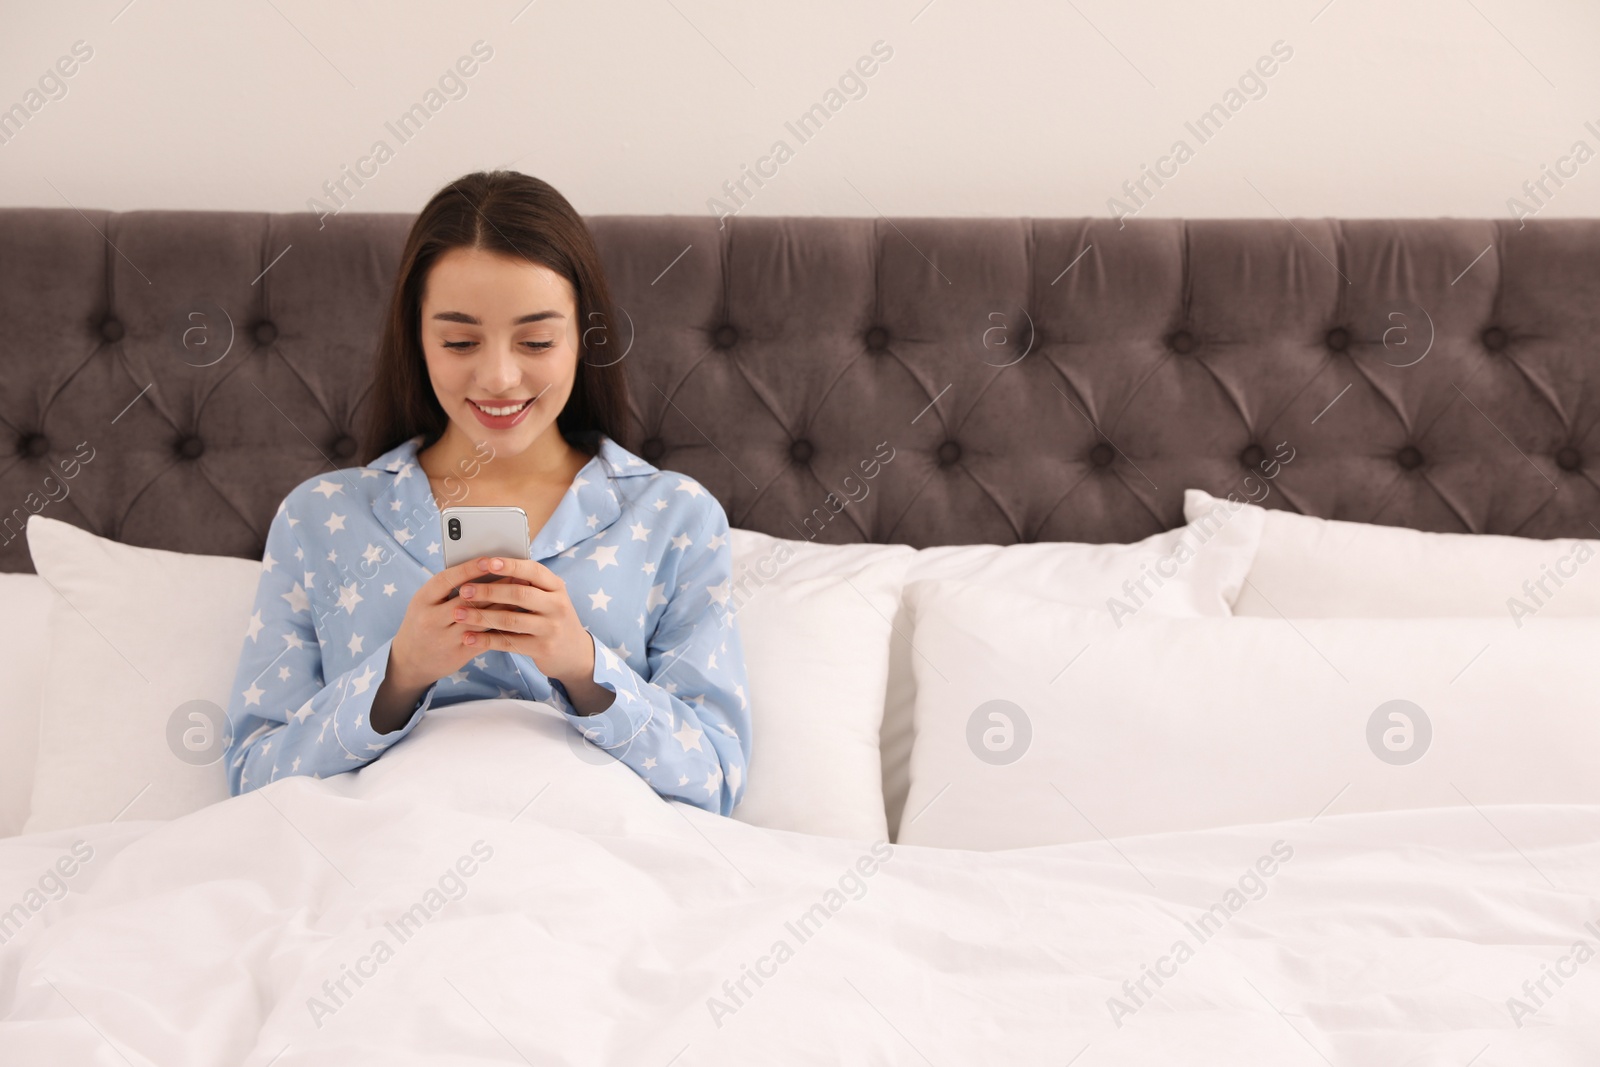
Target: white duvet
column 493, row 891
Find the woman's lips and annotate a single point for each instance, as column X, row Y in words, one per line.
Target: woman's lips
column 500, row 422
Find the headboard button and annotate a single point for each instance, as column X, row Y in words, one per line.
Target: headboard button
column 653, row 449
column 801, row 451
column 344, row 446
column 949, row 452
column 1494, row 338
column 1409, row 457
column 1101, row 455
column 112, row 330
column 1569, row 458
column 1338, row 339
column 727, row 337
column 33, row 445
column 266, row 333
column 1252, row 456
column 191, row 447
column 1182, row 342
column 877, row 339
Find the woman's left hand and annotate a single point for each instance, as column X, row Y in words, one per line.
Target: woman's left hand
column 527, row 611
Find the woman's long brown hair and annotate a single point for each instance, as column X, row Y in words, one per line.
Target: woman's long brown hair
column 516, row 215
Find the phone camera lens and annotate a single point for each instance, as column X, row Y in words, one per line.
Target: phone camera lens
column 455, row 529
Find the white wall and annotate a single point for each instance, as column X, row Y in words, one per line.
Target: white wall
column 987, row 107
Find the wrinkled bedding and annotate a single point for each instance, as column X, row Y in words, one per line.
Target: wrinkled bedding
column 495, row 891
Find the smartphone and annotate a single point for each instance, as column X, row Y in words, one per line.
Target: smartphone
column 470, row 532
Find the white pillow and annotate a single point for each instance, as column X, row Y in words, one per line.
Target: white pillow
column 814, row 620
column 1328, row 568
column 141, row 641
column 1177, row 724
column 177, row 620
column 24, row 645
column 1196, row 569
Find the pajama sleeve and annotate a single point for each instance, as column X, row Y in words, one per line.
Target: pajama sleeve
column 284, row 717
column 686, row 727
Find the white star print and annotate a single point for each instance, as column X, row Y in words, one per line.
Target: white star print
column 253, row 696
column 684, row 780
column 349, row 598
column 719, row 593
column 599, row 600
column 649, row 568
column 298, row 601
column 255, row 626
column 335, row 522
column 656, row 598
column 649, row 763
column 361, row 681
column 639, row 532
column 593, row 521
column 605, row 556
column 660, row 504
column 691, row 487
column 283, row 674
column 735, row 776
column 711, row 661
column 394, row 505
column 404, row 535
column 292, row 640
column 480, row 662
column 267, row 563
column 681, row 541
column 333, row 556
column 433, row 548
column 713, row 780
column 716, row 542
column 457, row 677
column 355, row 644
column 388, row 589
column 688, row 737
column 327, row 488
column 373, row 554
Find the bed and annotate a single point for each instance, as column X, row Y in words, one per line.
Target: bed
column 1168, row 641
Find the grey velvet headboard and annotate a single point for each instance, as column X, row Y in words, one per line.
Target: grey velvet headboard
column 1035, row 379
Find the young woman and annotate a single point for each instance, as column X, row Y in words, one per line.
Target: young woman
column 494, row 387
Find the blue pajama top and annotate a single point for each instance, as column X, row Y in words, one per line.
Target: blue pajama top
column 645, row 557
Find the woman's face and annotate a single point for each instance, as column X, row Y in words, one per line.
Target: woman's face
column 500, row 337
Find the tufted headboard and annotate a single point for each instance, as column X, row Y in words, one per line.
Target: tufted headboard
column 1032, row 379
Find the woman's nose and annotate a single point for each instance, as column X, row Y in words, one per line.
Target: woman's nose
column 500, row 371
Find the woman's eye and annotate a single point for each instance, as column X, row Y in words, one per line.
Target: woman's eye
column 540, row 345
column 455, row 344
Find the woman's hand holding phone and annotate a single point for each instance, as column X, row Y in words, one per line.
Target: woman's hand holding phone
column 526, row 611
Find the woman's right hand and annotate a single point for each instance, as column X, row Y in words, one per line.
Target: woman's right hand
column 429, row 644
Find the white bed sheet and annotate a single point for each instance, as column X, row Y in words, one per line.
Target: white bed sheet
column 605, row 919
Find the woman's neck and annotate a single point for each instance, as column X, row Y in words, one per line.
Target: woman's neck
column 549, row 460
